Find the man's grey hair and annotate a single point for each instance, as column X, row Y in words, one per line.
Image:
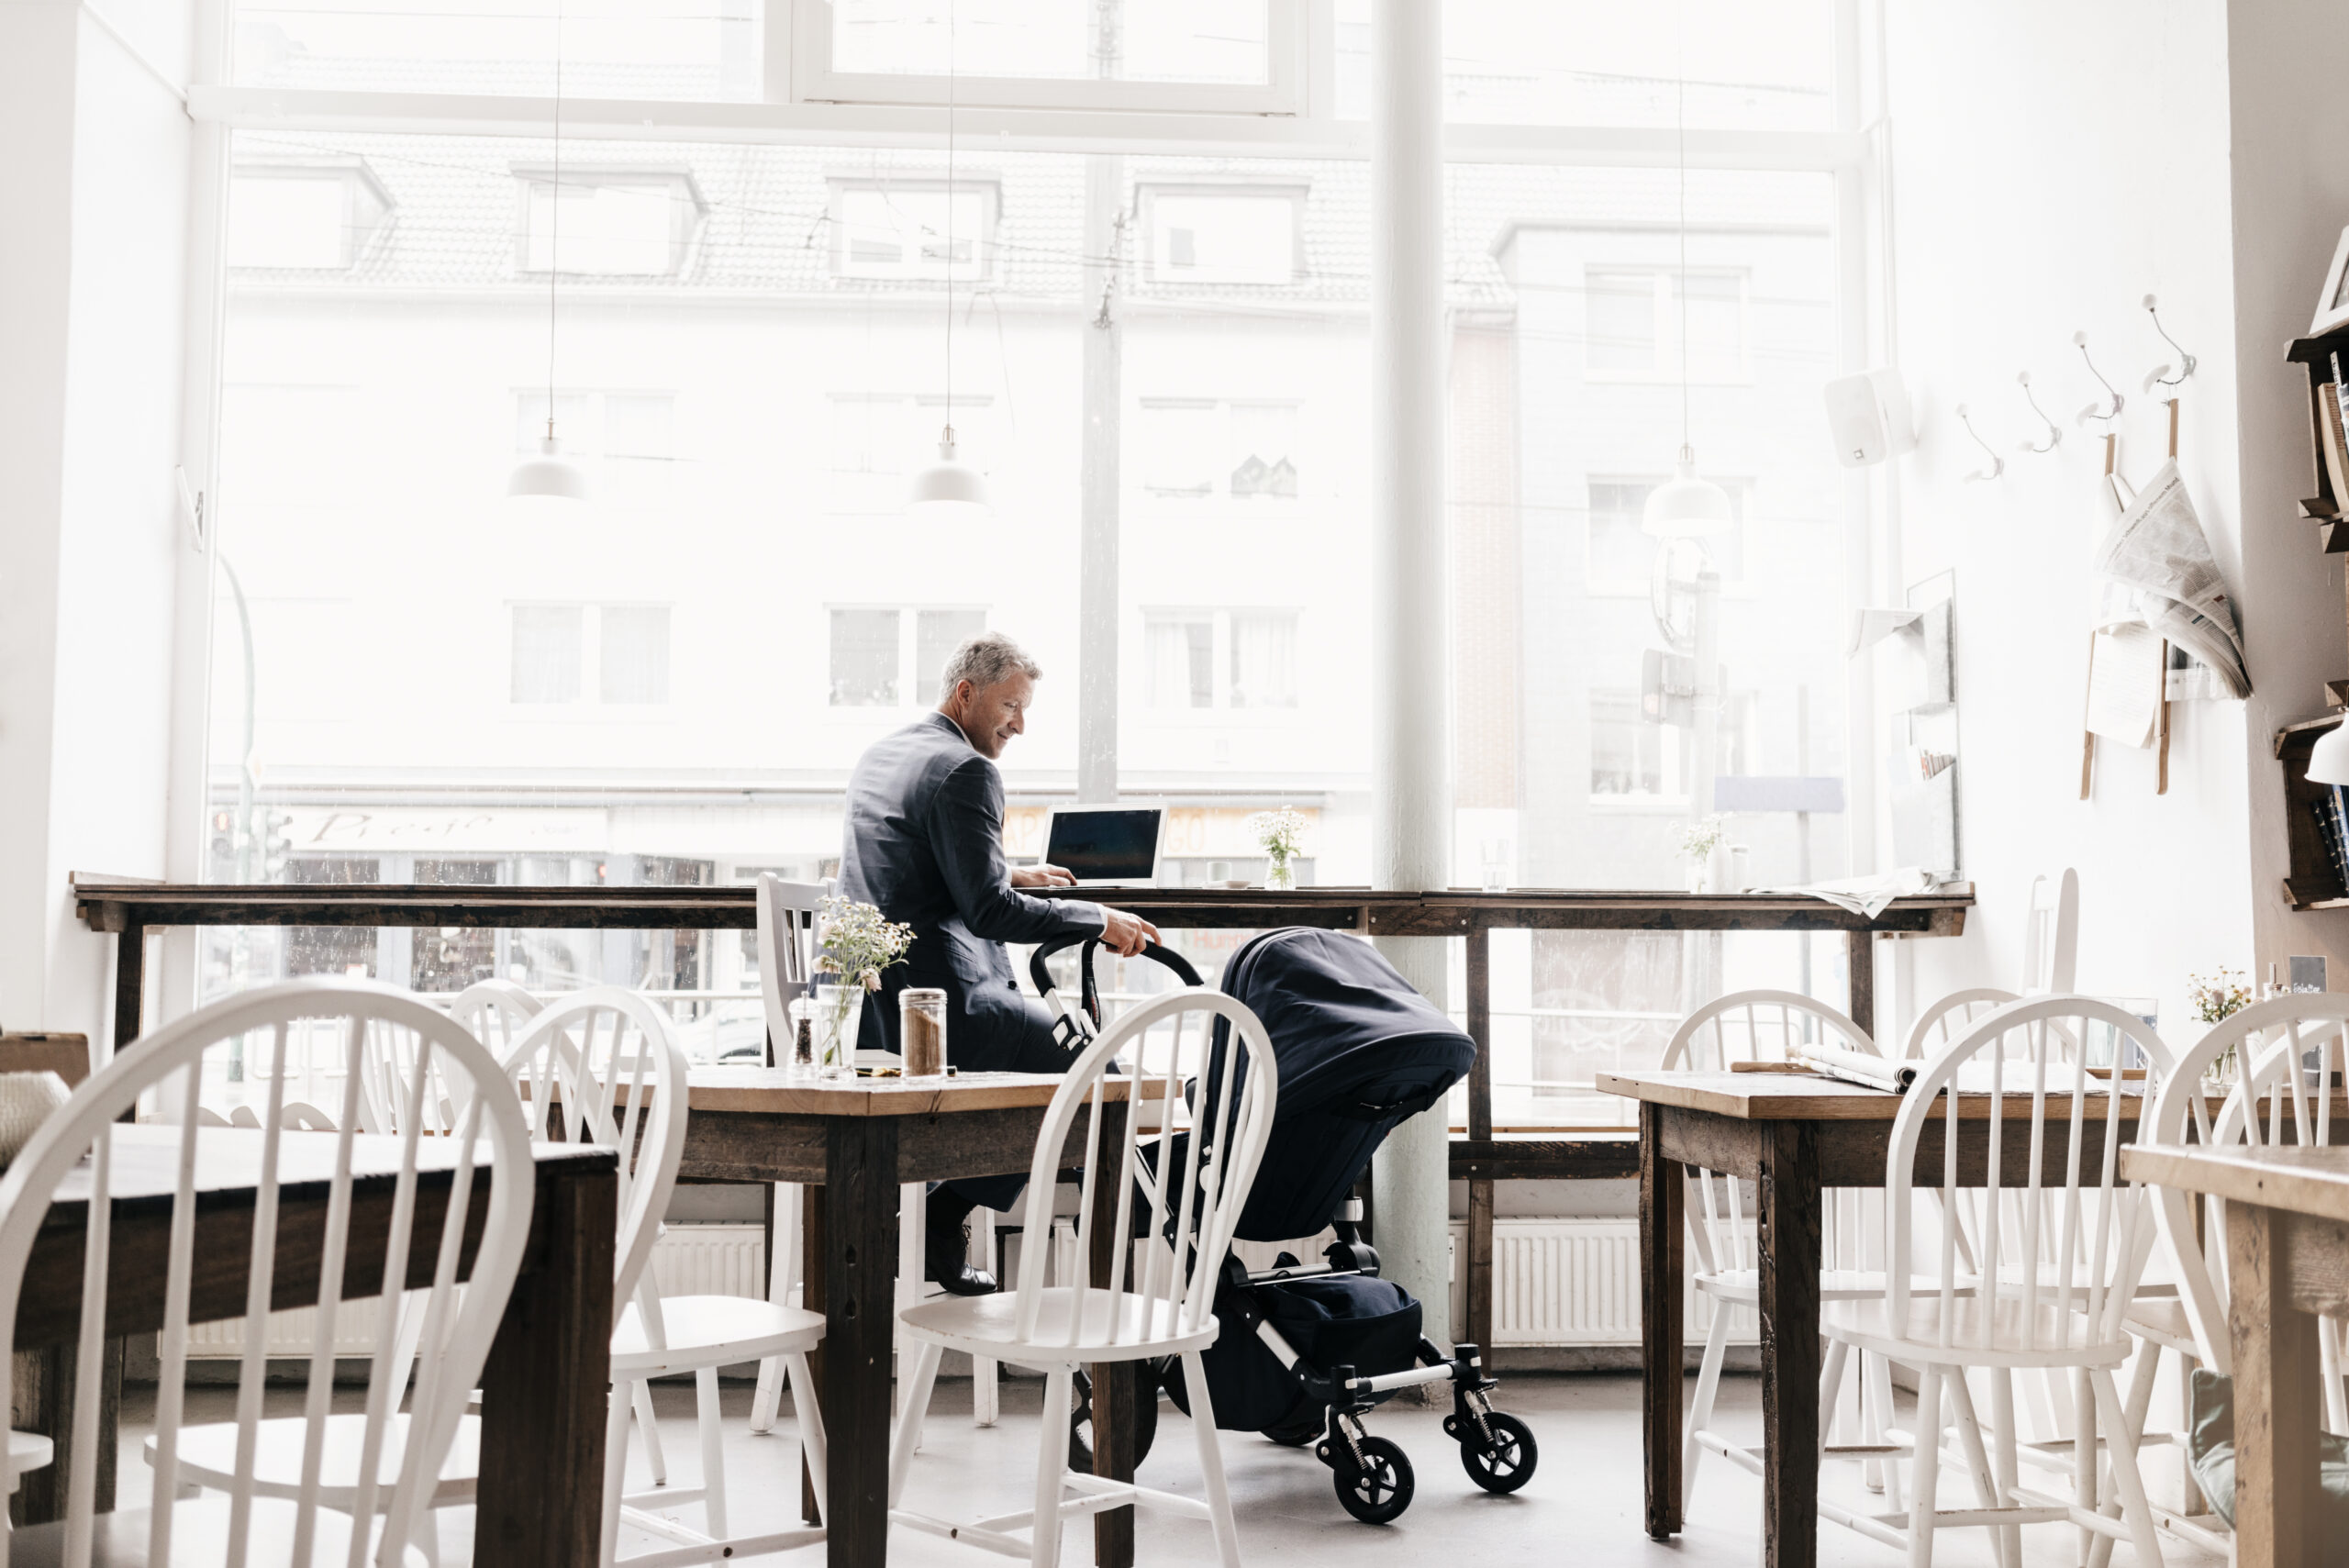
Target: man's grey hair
column 985, row 660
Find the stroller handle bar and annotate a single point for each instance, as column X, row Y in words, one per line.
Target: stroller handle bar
column 1090, row 991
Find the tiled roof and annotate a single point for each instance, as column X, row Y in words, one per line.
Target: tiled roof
column 768, row 229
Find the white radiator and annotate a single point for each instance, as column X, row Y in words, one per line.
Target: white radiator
column 689, row 1259
column 1572, row 1281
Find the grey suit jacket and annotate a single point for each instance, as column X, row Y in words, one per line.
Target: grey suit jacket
column 923, row 843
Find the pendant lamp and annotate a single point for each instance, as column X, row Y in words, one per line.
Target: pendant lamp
column 2329, row 758
column 550, row 483
column 1685, row 505
column 949, row 490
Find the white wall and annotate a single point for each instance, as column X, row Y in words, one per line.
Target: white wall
column 95, row 181
column 2052, row 165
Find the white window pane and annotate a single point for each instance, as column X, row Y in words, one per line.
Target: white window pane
column 937, row 634
column 635, row 653
column 1222, row 41
column 694, row 50
column 1620, row 310
column 1220, row 238
column 912, row 231
column 546, row 659
column 1181, row 659
column 619, row 230
column 864, row 659
column 1263, row 658
column 1178, row 448
column 289, row 221
column 1734, row 64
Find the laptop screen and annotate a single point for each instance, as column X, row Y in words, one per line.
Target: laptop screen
column 1106, row 846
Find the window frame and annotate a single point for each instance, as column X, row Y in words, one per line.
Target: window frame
column 814, row 79
column 589, row 705
column 1148, row 193
column 1220, row 708
column 908, row 674
column 986, row 187
column 684, row 233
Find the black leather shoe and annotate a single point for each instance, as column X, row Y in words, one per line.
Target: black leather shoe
column 945, row 1252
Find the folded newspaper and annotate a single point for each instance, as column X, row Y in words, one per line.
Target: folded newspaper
column 1859, row 1067
column 1865, row 896
column 2157, row 549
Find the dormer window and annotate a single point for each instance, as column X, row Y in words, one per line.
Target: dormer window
column 310, row 216
column 1222, row 235
column 902, row 229
column 616, row 223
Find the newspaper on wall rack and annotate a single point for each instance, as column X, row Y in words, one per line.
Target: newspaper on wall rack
column 2157, row 549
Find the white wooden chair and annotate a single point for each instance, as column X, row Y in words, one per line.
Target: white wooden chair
column 389, row 1454
column 786, row 939
column 496, row 1011
column 601, row 1066
column 2051, row 949
column 1158, row 1299
column 1766, row 1025
column 2053, row 1278
column 2268, row 1103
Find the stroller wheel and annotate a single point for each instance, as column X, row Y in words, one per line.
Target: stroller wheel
column 1508, row 1462
column 1379, row 1491
column 1080, row 1417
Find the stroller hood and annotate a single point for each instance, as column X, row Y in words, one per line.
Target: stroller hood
column 1358, row 1050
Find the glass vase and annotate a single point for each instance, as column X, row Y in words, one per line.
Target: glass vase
column 1280, row 874
column 840, row 1012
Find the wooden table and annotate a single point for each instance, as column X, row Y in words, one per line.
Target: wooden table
column 543, row 1390
column 2288, row 1259
column 858, row 1142
column 1793, row 1135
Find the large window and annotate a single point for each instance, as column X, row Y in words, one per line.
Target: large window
column 746, row 336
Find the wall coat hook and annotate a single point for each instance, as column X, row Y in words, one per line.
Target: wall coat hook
column 1998, row 464
column 2101, row 416
column 2159, row 375
column 2055, row 431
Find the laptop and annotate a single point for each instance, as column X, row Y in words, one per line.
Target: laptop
column 1106, row 846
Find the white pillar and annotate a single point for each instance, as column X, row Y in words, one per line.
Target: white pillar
column 1410, row 635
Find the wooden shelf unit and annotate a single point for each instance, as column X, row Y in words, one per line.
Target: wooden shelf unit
column 2312, row 883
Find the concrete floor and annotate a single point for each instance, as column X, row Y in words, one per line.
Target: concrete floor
column 1581, row 1510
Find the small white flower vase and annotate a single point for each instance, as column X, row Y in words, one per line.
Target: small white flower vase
column 1721, row 868
column 1280, row 874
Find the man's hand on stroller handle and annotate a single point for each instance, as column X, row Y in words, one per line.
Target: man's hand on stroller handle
column 1126, row 935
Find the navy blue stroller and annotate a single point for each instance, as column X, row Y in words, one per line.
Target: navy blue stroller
column 1305, row 1351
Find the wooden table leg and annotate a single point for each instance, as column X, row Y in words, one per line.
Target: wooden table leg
column 860, row 1307
column 2278, row 1401
column 1114, row 1384
column 811, row 1290
column 546, row 1388
column 1661, row 1287
column 1859, row 953
column 1788, row 1209
column 1479, row 1327
column 42, row 1389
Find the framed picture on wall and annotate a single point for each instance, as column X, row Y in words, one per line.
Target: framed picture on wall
column 2332, row 304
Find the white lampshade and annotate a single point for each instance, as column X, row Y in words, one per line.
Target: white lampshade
column 2329, row 758
column 948, row 489
column 1687, row 507
column 550, row 476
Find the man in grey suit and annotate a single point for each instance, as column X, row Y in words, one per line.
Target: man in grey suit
column 924, row 844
